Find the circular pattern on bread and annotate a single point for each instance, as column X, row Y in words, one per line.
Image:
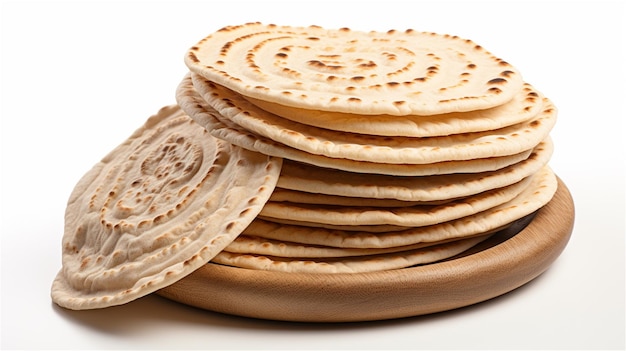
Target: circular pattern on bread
column 156, row 208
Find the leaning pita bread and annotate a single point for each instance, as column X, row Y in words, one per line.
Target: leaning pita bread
column 374, row 73
column 156, row 208
column 222, row 128
column 539, row 193
column 524, row 105
column 506, row 141
column 410, row 216
column 358, row 264
column 302, row 177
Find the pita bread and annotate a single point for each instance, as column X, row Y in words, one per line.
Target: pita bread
column 157, row 207
column 539, row 193
column 311, row 179
column 369, row 73
column 357, row 264
column 522, row 107
column 286, row 195
column 245, row 244
column 506, row 141
column 380, row 228
column 223, row 128
column 410, row 216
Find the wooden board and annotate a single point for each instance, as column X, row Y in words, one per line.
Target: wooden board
column 495, row 268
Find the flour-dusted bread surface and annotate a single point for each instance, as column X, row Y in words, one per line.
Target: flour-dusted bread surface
column 342, row 70
column 157, row 207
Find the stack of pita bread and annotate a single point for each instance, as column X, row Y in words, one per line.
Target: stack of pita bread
column 303, row 149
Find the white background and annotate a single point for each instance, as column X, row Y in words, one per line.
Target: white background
column 79, row 77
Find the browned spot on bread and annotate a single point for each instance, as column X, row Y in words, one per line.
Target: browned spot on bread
column 369, row 64
column 497, row 81
column 190, row 260
column 159, row 218
column 193, row 57
column 84, row 263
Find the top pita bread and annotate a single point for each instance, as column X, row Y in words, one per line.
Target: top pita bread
column 157, row 207
column 520, row 108
column 368, row 73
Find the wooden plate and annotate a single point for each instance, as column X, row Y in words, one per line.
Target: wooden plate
column 497, row 267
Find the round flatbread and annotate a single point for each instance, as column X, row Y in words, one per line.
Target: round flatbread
column 510, row 140
column 522, row 107
column 410, row 216
column 539, row 193
column 253, row 245
column 373, row 73
column 288, row 195
column 354, row 264
column 312, row 179
column 380, row 228
column 221, row 127
column 156, row 208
